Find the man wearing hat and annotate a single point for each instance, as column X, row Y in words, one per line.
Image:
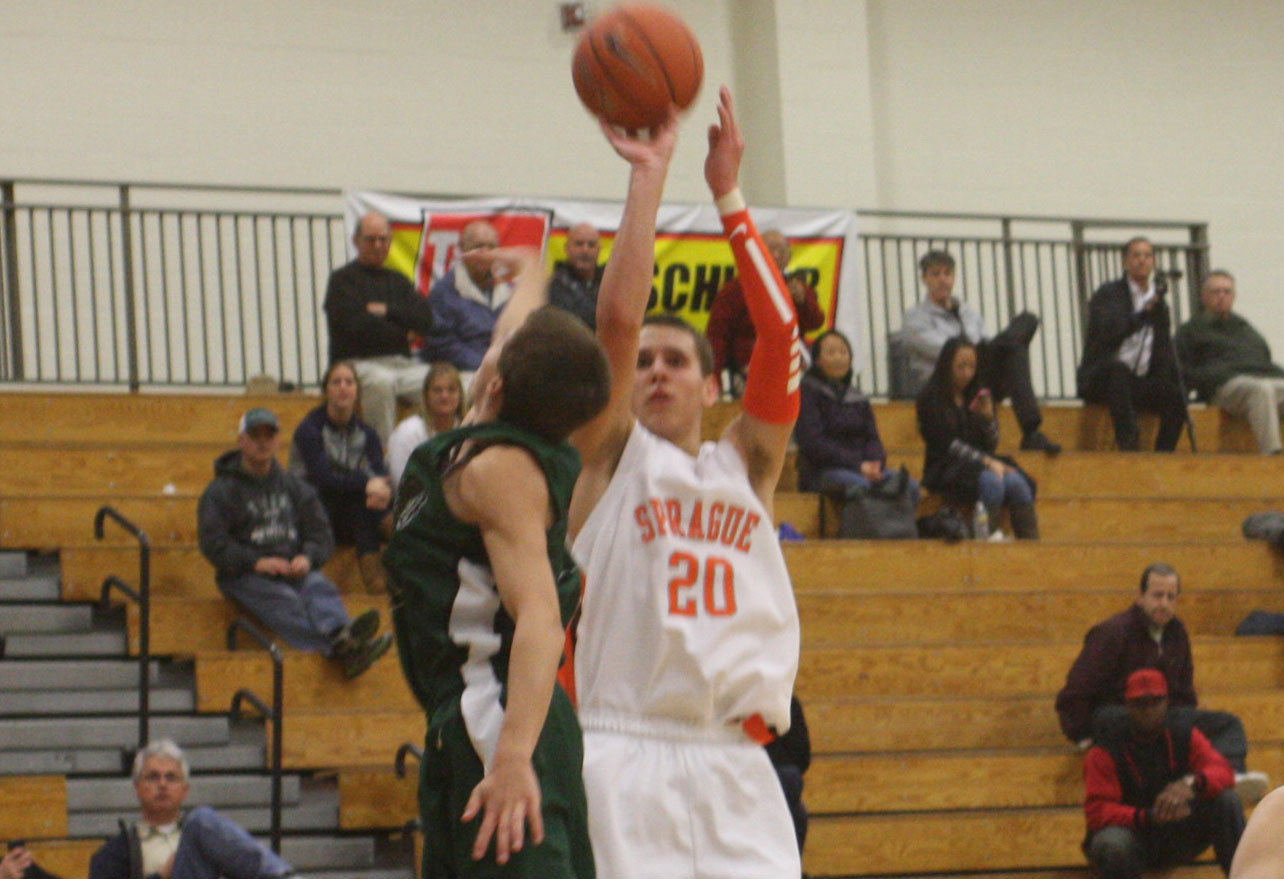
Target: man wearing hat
column 1157, row 793
column 267, row 535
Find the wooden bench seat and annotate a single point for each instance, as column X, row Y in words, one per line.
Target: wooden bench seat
column 312, row 682
column 33, row 806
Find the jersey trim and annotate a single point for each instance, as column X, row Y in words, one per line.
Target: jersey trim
column 472, row 625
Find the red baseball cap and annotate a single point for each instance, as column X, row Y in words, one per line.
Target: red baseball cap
column 1146, row 683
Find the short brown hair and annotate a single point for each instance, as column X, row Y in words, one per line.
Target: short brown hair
column 704, row 351
column 555, row 374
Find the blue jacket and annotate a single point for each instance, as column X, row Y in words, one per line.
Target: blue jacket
column 836, row 428
column 461, row 329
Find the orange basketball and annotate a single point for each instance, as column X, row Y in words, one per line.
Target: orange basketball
column 635, row 60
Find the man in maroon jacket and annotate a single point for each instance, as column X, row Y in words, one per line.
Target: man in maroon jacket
column 1157, row 793
column 1147, row 635
column 730, row 331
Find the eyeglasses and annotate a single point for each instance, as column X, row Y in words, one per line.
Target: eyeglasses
column 158, row 777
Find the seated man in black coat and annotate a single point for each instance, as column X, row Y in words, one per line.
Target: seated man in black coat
column 1128, row 354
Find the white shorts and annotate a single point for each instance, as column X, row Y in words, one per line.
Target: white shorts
column 668, row 801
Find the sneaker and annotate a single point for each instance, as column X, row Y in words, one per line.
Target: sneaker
column 358, row 659
column 1037, row 441
column 364, row 627
column 1252, row 786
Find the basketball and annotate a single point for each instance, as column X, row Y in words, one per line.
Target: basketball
column 635, row 60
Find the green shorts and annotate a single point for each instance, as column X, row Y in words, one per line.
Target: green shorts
column 450, row 771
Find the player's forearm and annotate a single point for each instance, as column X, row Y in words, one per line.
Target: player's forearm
column 626, row 283
column 532, row 672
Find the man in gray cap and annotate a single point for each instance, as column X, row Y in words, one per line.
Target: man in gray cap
column 267, row 535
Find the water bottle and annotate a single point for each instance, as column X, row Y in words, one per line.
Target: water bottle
column 981, row 522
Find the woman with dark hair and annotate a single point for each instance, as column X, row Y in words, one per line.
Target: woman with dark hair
column 341, row 455
column 443, row 402
column 838, row 443
column 958, row 424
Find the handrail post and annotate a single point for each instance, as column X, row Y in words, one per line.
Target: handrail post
column 1197, row 265
column 127, row 268
column 10, row 235
column 1009, row 275
column 1080, row 272
column 275, row 713
column 143, row 597
column 409, row 749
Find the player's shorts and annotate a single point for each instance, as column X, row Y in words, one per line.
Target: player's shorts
column 450, row 771
column 671, row 801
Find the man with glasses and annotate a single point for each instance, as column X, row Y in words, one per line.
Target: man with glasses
column 465, row 303
column 371, row 310
column 166, row 844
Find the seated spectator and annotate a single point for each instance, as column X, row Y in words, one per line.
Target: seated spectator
column 371, row 310
column 199, row 845
column 790, row 754
column 19, row 864
column 1127, row 352
column 837, row 436
column 1229, row 363
column 443, row 408
column 1147, row 635
column 573, row 286
column 465, row 303
column 1003, row 362
column 956, row 420
column 1260, row 855
column 730, row 331
column 1157, row 793
column 266, row 534
column 341, row 455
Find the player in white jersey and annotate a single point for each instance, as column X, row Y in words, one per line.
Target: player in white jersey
column 688, row 639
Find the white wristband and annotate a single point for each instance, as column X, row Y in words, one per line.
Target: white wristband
column 731, row 203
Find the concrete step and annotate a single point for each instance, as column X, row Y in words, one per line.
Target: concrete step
column 316, row 811
column 63, row 702
column 311, row 852
column 71, row 674
column 13, row 564
column 114, row 732
column 246, row 753
column 105, row 643
column 219, row 791
column 29, row 587
column 46, row 618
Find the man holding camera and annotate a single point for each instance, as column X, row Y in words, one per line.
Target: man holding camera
column 1128, row 352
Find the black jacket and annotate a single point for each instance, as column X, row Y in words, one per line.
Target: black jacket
column 1111, row 320
column 354, row 331
column 242, row 518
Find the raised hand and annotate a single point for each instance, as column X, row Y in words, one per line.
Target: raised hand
column 654, row 151
column 726, row 147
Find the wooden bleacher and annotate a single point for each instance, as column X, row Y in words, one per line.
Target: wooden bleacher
column 928, row 671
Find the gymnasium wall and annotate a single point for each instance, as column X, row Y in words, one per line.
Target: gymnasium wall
column 1112, row 108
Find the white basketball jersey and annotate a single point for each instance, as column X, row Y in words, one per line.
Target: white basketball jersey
column 688, row 611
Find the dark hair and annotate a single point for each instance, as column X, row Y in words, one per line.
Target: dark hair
column 815, row 357
column 1159, row 569
column 555, row 375
column 935, row 258
column 1136, row 239
column 443, row 368
column 941, row 383
column 703, row 350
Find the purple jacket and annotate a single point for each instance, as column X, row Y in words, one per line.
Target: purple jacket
column 461, row 328
column 836, row 427
column 1114, row 649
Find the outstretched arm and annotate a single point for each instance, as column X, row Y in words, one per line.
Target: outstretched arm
column 761, row 432
column 529, row 293
column 626, row 286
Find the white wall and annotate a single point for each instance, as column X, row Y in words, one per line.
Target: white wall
column 1113, row 108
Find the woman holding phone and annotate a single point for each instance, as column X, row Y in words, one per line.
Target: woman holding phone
column 958, row 424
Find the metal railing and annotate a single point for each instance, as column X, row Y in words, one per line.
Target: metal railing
column 1009, row 264
column 275, row 713
column 143, row 598
column 160, row 284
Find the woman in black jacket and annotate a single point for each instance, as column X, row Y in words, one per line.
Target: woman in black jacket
column 837, row 436
column 958, row 425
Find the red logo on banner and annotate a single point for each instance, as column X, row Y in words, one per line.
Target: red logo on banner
column 439, row 242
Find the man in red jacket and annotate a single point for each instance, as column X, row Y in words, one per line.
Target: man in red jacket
column 1158, row 793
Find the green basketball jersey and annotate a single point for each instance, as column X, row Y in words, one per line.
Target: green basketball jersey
column 453, row 634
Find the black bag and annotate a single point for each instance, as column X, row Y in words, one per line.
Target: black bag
column 884, row 511
column 946, row 524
